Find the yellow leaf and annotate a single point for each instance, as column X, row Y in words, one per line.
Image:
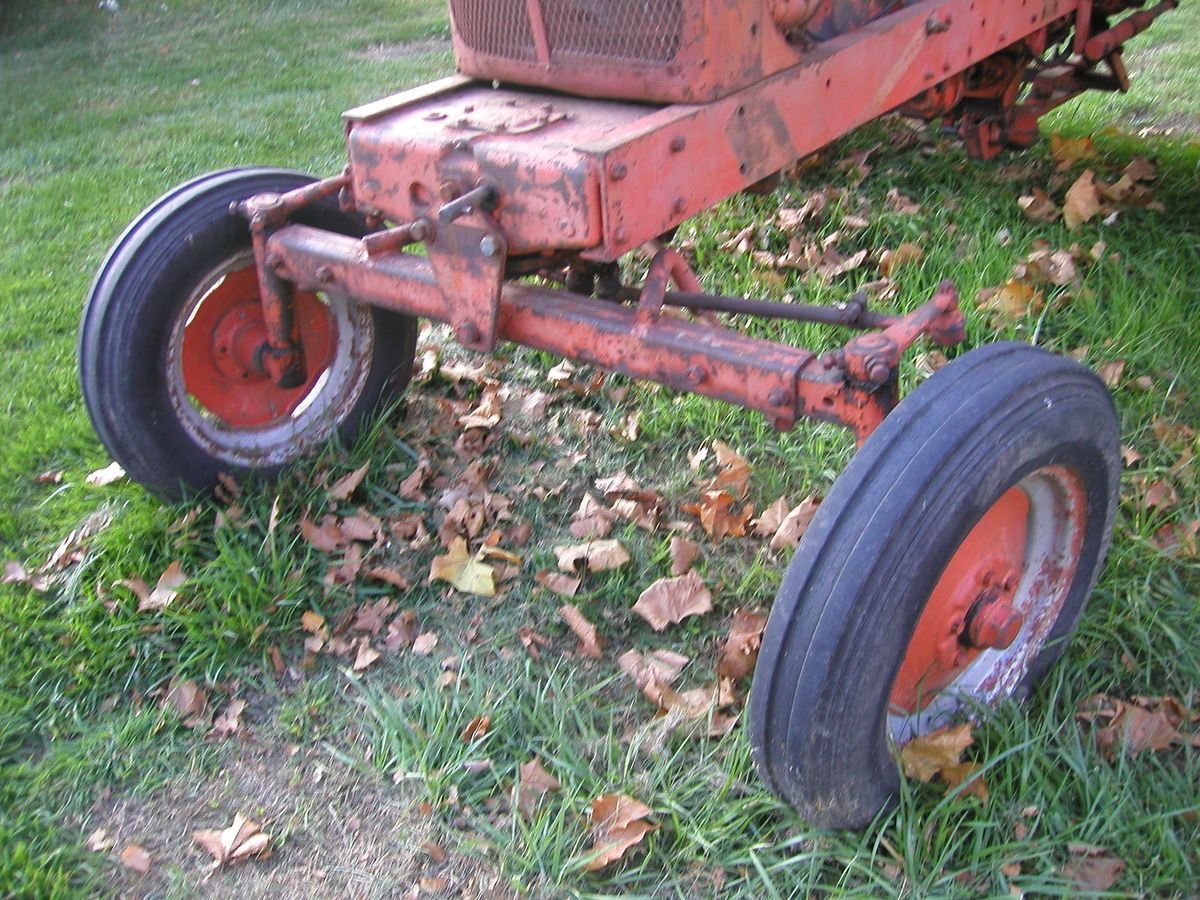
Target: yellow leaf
column 463, row 571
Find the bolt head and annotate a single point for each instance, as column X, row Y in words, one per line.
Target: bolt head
column 696, row 375
column 489, row 246
column 467, row 333
column 779, row 397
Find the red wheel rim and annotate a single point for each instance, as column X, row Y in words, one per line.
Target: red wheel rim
column 222, row 342
column 996, row 601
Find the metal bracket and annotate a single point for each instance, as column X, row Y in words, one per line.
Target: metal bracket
column 468, row 261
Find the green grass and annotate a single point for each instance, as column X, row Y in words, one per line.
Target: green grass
column 105, row 111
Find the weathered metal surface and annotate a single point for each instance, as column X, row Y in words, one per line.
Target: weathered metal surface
column 410, row 158
column 667, row 51
column 781, row 382
column 683, row 159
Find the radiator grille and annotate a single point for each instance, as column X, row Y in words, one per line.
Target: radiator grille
column 495, row 27
column 645, row 31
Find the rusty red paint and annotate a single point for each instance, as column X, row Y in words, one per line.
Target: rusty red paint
column 221, row 355
column 990, row 558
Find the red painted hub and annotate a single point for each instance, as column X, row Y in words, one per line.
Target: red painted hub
column 970, row 609
column 222, row 347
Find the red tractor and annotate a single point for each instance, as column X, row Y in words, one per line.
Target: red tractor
column 251, row 314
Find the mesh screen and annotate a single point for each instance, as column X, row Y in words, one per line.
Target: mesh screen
column 647, row 31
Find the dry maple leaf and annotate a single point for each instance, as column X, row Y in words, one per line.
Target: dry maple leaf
column 423, row 644
column 366, row 655
column 683, row 554
column 1068, row 151
column 794, row 524
column 904, row 255
column 533, row 783
column 740, row 650
column 620, row 484
column 165, row 590
column 1083, row 200
column 189, row 701
column 734, row 474
column 229, row 722
column 927, row 755
column 1093, row 868
column 590, row 642
column 476, row 729
column 345, row 487
column 464, row 571
column 594, row 556
column 964, row 774
column 241, row 840
column 653, row 671
column 558, row 583
column 1147, row 723
column 1112, row 372
column 592, row 520
column 1014, row 299
column 136, row 858
column 696, row 711
column 1160, row 495
column 772, row 517
column 717, row 517
column 618, row 823
column 106, row 476
column 1038, row 207
column 327, row 536
column 671, row 600
column 99, row 841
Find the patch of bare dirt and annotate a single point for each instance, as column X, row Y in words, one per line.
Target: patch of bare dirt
column 334, row 833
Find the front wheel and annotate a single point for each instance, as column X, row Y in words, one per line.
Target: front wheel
column 172, row 336
column 946, row 569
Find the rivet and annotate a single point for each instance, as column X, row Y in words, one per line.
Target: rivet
column 620, row 235
column 324, row 275
column 618, row 171
column 678, row 143
column 779, row 397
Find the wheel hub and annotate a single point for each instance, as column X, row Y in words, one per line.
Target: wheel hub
column 223, row 344
column 971, row 608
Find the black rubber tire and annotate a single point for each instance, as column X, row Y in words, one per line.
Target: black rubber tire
column 850, row 600
column 139, row 294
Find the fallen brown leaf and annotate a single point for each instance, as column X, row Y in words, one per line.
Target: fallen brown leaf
column 618, row 824
column 241, row 840
column 927, row 755
column 533, row 783
column 590, row 642
column 594, row 556
column 739, row 652
column 794, row 524
column 652, row 671
column 345, row 487
column 558, row 583
column 190, row 701
column 136, row 858
column 671, row 600
column 683, row 554
column 1093, row 868
column 1083, row 200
